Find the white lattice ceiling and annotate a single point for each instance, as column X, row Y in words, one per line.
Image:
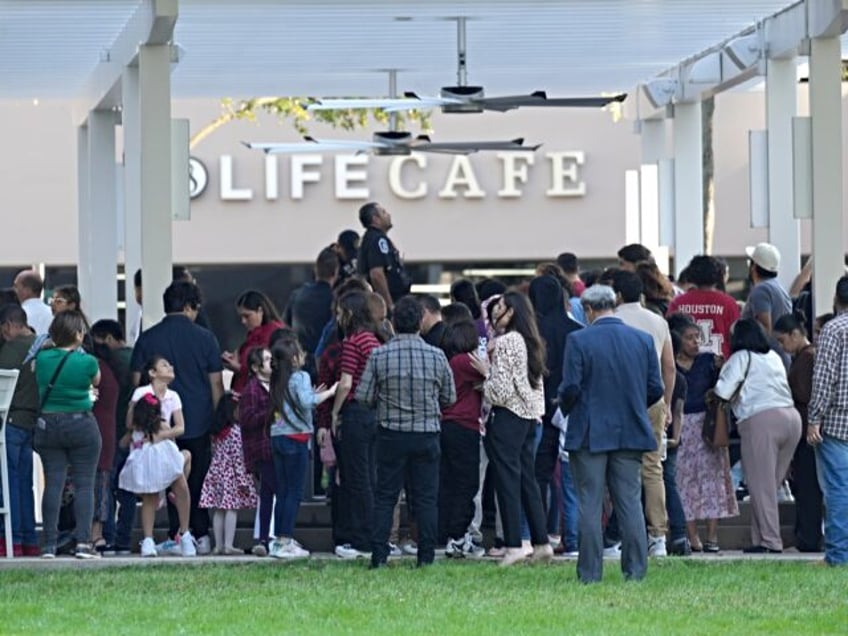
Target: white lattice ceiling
column 322, row 47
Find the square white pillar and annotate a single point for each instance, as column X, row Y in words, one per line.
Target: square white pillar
column 688, row 185
column 131, row 120
column 826, row 118
column 781, row 107
column 155, row 170
column 98, row 265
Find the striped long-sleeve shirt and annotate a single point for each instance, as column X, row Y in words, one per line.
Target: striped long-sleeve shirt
column 409, row 382
column 829, row 400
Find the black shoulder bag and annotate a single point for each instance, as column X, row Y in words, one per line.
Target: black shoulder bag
column 40, row 421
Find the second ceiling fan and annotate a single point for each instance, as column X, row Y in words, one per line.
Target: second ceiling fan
column 463, row 98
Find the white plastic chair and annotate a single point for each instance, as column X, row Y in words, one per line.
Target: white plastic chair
column 8, row 380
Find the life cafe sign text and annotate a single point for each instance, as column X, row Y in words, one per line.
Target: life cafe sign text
column 407, row 176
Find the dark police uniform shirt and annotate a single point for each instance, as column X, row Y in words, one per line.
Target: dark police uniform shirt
column 377, row 250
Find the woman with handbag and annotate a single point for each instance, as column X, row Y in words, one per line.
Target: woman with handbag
column 703, row 471
column 792, row 336
column 769, row 426
column 66, row 435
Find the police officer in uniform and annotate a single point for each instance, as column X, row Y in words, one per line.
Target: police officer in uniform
column 379, row 260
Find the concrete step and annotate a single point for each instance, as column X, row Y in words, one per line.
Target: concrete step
column 314, row 527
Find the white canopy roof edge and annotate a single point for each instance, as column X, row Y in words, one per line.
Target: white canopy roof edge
column 152, row 23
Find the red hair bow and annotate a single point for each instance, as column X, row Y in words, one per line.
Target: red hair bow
column 150, row 399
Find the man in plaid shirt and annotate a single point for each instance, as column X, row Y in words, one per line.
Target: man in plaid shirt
column 828, row 426
column 409, row 382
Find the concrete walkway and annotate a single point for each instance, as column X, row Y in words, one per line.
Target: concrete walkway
column 68, row 562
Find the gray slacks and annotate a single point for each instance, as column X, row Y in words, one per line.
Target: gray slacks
column 621, row 472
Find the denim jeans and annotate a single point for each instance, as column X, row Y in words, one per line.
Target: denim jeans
column 570, row 508
column 21, row 500
column 832, row 468
column 525, row 527
column 673, row 505
column 68, row 441
column 290, row 460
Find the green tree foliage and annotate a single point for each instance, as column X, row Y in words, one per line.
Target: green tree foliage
column 293, row 110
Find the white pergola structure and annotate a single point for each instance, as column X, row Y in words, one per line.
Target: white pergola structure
column 800, row 159
column 131, row 86
column 120, row 60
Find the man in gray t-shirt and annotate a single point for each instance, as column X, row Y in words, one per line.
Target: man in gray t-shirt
column 767, row 301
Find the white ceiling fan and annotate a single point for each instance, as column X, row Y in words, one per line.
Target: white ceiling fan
column 463, row 98
column 392, row 142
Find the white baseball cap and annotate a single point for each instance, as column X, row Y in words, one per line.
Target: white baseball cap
column 765, row 255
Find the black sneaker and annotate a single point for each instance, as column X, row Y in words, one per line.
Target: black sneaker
column 110, row 549
column 680, row 547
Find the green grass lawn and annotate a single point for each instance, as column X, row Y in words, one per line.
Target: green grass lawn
column 330, row 597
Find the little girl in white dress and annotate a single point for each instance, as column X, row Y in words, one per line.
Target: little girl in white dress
column 155, row 463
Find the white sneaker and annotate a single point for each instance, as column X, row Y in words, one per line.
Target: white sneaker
column 784, row 493
column 348, row 552
column 189, row 545
column 410, row 548
column 203, row 545
column 288, row 549
column 527, row 547
column 471, row 548
column 394, row 550
column 169, row 547
column 148, row 548
column 613, row 552
column 453, row 548
column 656, row 547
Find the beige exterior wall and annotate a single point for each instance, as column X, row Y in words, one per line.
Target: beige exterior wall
column 484, row 221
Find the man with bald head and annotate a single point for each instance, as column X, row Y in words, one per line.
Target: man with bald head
column 28, row 286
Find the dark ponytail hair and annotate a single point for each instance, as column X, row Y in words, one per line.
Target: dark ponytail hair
column 283, row 355
column 790, row 322
column 225, row 413
column 254, row 300
column 147, row 415
column 254, row 359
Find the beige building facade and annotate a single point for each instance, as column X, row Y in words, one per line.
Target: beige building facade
column 568, row 195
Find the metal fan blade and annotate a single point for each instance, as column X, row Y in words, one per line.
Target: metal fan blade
column 388, row 104
column 463, row 147
column 312, row 145
column 539, row 99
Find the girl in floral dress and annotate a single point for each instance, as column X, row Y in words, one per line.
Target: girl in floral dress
column 228, row 487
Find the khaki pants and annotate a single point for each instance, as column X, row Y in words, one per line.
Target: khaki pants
column 652, row 475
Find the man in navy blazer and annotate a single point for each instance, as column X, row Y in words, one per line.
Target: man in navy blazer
column 610, row 376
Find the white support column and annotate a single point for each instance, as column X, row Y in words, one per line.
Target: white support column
column 688, row 185
column 98, row 270
column 781, row 107
column 653, row 149
column 155, row 194
column 131, row 118
column 84, row 217
column 826, row 117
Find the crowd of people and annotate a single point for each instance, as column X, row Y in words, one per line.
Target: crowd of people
column 579, row 394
